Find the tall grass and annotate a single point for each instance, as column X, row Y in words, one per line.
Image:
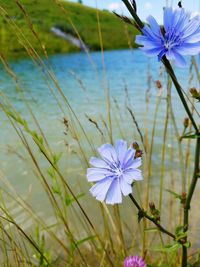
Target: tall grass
column 80, row 231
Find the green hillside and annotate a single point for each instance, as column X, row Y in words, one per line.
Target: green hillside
column 44, row 14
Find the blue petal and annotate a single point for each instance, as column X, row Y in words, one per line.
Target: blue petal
column 128, row 177
column 136, row 163
column 97, row 174
column 133, row 174
column 152, row 52
column 121, row 148
column 182, row 21
column 145, row 41
column 114, row 195
column 100, row 189
column 168, row 18
column 194, row 38
column 178, row 15
column 129, row 157
column 189, row 49
column 99, row 163
column 190, row 28
column 125, row 187
column 154, row 26
column 108, row 153
column 147, row 31
column 170, row 55
column 179, row 60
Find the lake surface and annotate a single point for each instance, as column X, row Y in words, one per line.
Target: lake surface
column 84, row 81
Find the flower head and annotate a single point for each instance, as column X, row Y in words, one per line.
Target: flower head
column 179, row 36
column 134, row 261
column 114, row 173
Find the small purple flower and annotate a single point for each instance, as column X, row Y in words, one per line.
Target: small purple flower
column 180, row 36
column 114, row 173
column 134, row 261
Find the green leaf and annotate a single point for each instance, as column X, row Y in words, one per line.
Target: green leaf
column 69, row 199
column 179, row 230
column 74, row 246
column 167, row 248
column 174, row 194
column 187, row 244
column 56, row 190
column 180, row 233
column 57, row 157
column 190, row 135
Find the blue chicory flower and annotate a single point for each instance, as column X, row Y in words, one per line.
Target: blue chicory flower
column 134, row 261
column 114, row 173
column 180, row 36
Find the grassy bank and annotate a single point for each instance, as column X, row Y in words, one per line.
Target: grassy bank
column 35, row 19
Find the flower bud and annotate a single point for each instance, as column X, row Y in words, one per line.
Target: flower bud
column 180, row 4
column 154, row 211
column 183, row 197
column 138, row 154
column 152, row 206
column 186, row 122
column 135, row 145
column 195, row 94
column 158, row 84
column 193, row 91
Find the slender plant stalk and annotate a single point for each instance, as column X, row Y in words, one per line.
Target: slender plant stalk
column 179, row 91
column 189, row 197
column 164, row 143
column 143, row 214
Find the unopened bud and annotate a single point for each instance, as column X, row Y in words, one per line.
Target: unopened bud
column 180, row 4
column 158, row 84
column 135, row 145
column 138, row 153
column 193, row 91
column 186, row 122
column 152, row 206
column 183, row 197
column 195, row 94
column 154, row 211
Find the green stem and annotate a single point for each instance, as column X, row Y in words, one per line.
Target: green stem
column 179, row 91
column 153, row 220
column 189, row 198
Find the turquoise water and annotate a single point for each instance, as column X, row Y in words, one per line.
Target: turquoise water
column 120, row 70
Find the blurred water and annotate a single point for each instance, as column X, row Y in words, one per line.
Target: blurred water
column 120, row 69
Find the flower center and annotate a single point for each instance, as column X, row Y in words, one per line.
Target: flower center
column 118, row 172
column 172, row 39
